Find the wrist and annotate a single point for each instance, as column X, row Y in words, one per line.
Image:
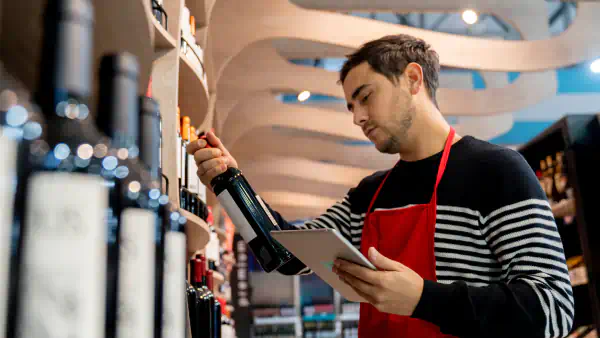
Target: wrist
column 434, row 299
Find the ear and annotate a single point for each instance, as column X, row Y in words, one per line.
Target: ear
column 414, row 75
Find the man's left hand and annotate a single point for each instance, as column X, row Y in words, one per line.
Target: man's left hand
column 394, row 288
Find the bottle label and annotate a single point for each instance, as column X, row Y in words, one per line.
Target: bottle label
column 8, row 173
column 193, row 179
column 264, row 206
column 212, row 249
column 136, row 274
column 64, row 262
column 173, row 325
column 236, row 216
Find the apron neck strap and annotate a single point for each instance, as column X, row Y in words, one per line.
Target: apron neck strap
column 440, row 173
column 444, row 160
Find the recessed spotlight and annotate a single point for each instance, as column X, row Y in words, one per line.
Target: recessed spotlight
column 470, row 16
column 303, row 96
column 595, row 66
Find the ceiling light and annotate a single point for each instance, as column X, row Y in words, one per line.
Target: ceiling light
column 595, row 66
column 470, row 16
column 303, row 96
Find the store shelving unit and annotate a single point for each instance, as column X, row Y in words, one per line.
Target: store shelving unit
column 579, row 137
column 162, row 39
column 197, row 231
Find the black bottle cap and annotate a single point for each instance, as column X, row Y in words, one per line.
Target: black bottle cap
column 117, row 114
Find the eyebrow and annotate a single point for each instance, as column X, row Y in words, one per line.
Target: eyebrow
column 355, row 94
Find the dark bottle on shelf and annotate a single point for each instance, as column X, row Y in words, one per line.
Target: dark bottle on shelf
column 185, row 195
column 192, row 300
column 130, row 268
column 216, row 316
column 205, row 303
column 19, row 130
column 150, row 144
column 62, row 242
column 252, row 217
column 173, row 317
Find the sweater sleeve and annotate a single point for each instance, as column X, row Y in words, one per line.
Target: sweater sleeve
column 535, row 298
column 336, row 217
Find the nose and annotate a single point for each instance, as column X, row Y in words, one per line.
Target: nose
column 360, row 116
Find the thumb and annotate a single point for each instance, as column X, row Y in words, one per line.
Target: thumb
column 381, row 262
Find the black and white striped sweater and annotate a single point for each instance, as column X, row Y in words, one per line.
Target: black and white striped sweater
column 500, row 264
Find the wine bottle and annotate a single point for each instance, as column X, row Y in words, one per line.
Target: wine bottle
column 185, row 134
column 252, row 217
column 150, row 144
column 62, row 249
column 134, row 201
column 173, row 323
column 216, row 317
column 14, row 147
column 179, row 149
column 159, row 12
column 192, row 169
column 192, row 299
column 204, row 306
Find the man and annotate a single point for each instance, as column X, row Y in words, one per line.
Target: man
column 460, row 230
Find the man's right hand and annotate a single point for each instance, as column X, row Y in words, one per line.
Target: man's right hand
column 213, row 161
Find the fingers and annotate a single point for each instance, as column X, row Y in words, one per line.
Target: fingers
column 207, row 176
column 193, row 147
column 214, row 141
column 381, row 262
column 365, row 274
column 366, row 290
column 206, row 154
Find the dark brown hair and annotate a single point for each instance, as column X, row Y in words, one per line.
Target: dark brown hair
column 390, row 55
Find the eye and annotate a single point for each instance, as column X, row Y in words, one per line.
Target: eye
column 364, row 100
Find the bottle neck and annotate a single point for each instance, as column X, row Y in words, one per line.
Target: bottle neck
column 66, row 60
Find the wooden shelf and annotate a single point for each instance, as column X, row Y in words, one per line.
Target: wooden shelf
column 196, row 230
column 162, row 38
column 218, row 278
column 119, row 25
column 193, row 94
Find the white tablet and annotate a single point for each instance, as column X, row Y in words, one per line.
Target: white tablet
column 317, row 249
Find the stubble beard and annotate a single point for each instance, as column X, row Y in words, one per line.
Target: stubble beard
column 395, row 141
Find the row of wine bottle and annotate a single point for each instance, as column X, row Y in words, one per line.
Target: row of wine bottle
column 92, row 245
column 204, row 308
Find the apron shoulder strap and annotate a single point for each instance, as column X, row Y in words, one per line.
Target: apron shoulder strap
column 444, row 160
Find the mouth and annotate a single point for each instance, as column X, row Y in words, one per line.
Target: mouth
column 368, row 132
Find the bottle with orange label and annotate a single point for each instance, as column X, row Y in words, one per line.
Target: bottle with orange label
column 185, row 135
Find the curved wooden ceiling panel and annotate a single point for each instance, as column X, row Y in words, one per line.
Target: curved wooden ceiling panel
column 271, row 19
column 262, row 110
column 308, row 170
column 311, row 148
column 269, row 71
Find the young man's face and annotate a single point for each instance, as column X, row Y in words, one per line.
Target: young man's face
column 384, row 110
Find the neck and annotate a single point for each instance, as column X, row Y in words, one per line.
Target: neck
column 427, row 136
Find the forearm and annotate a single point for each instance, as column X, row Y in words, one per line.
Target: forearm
column 498, row 310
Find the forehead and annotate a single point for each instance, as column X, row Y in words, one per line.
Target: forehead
column 358, row 76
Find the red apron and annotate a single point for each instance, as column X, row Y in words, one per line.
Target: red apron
column 406, row 236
